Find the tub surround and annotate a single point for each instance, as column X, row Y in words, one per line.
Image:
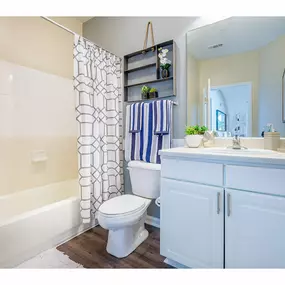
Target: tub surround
column 223, row 209
column 43, row 119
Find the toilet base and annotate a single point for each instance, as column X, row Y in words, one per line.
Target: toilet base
column 123, row 241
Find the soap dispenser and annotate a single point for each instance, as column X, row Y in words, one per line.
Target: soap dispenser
column 271, row 138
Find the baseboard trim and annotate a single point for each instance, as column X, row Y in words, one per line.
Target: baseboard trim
column 153, row 221
column 174, row 263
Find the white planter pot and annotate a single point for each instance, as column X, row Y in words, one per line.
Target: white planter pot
column 193, row 140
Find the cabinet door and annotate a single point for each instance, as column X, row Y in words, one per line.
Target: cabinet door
column 191, row 224
column 254, row 230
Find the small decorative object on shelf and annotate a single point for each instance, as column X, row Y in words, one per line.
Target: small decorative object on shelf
column 194, row 135
column 165, row 63
column 145, row 92
column 153, row 93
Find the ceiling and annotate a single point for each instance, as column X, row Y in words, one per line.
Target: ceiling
column 237, row 34
column 83, row 19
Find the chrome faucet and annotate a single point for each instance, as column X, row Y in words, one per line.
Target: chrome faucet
column 236, row 143
column 236, row 138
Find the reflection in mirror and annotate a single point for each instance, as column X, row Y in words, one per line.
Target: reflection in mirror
column 234, row 101
column 234, row 75
column 221, row 124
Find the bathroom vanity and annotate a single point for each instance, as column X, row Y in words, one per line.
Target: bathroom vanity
column 223, row 208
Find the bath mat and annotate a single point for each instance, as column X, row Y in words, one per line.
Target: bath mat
column 49, row 259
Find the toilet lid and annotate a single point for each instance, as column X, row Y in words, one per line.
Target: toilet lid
column 124, row 204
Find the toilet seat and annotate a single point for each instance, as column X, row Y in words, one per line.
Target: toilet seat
column 122, row 211
column 124, row 205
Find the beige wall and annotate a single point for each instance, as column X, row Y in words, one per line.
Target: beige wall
column 193, row 89
column 230, row 70
column 69, row 22
column 37, row 43
column 272, row 65
column 36, row 102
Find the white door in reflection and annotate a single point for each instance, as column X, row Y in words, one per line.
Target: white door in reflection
column 231, row 109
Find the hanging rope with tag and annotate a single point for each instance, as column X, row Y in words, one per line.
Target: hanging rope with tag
column 149, row 25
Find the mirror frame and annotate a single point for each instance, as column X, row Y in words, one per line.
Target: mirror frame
column 283, row 96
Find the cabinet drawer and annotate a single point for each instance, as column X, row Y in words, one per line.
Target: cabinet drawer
column 193, row 171
column 256, row 179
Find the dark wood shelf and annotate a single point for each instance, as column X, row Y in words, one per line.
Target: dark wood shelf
column 140, row 67
column 151, row 99
column 149, row 49
column 149, row 68
column 149, row 81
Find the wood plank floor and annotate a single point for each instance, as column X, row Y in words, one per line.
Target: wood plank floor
column 89, row 250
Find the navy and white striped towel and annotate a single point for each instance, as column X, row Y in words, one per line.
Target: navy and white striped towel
column 162, row 117
column 145, row 145
column 135, row 118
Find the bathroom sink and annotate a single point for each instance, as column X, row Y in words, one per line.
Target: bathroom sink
column 230, row 151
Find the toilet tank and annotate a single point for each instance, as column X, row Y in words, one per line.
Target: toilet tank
column 145, row 179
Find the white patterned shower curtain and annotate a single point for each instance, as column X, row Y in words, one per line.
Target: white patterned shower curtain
column 97, row 84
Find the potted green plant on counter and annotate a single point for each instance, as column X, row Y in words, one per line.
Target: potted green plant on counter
column 194, row 135
column 153, row 93
column 145, row 92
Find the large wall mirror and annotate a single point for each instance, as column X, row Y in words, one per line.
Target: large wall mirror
column 235, row 75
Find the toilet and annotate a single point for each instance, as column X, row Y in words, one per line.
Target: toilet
column 124, row 216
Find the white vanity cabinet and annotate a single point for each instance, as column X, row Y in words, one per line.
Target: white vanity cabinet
column 192, row 223
column 192, row 213
column 254, row 230
column 221, row 212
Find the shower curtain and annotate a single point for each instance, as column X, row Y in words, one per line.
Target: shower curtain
column 97, row 84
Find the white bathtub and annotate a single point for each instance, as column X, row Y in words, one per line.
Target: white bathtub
column 37, row 219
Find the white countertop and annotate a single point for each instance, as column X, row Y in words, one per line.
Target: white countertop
column 256, row 156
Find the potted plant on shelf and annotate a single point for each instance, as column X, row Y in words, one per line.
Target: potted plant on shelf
column 165, row 63
column 194, row 135
column 153, row 93
column 145, row 92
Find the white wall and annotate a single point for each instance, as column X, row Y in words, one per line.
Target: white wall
column 123, row 35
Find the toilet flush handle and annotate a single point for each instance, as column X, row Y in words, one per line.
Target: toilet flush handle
column 157, row 202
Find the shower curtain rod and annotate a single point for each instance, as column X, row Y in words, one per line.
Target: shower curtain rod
column 71, row 32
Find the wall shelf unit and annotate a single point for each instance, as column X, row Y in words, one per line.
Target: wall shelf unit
column 144, row 69
column 150, row 81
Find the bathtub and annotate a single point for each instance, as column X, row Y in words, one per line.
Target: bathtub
column 38, row 219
